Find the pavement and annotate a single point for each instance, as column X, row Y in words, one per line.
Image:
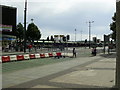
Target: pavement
column 81, row 72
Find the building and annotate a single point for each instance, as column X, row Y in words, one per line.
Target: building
column 8, row 24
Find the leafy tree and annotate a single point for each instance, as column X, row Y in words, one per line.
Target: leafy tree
column 113, row 27
column 19, row 31
column 33, row 33
column 48, row 38
column 52, row 39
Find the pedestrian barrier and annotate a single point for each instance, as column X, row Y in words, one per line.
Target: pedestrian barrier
column 32, row 56
column 58, row 54
column 20, row 57
column 67, row 54
column 0, row 59
column 46, row 55
column 13, row 58
column 54, row 54
column 50, row 55
column 42, row 55
column 5, row 58
column 26, row 56
column 63, row 54
column 70, row 54
column 37, row 55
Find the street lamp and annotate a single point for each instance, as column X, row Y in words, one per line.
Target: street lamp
column 75, row 35
column 81, row 35
column 25, row 26
column 90, row 32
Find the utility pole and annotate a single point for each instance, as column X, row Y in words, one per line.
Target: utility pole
column 75, row 35
column 25, row 26
column 90, row 32
column 118, row 44
column 81, row 35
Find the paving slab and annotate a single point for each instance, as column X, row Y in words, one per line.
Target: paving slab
column 81, row 72
column 39, row 72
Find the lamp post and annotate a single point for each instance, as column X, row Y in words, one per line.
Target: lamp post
column 117, row 84
column 25, row 26
column 75, row 35
column 81, row 35
column 90, row 32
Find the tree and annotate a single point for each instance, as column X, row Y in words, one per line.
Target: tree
column 19, row 31
column 33, row 33
column 52, row 39
column 48, row 38
column 113, row 27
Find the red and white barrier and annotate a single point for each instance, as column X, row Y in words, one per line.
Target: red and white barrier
column 0, row 59
column 54, row 54
column 13, row 57
column 70, row 54
column 42, row 55
column 26, row 56
column 46, row 55
column 37, row 55
column 58, row 54
column 50, row 55
column 32, row 56
column 20, row 57
column 5, row 58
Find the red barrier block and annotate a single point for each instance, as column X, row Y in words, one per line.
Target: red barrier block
column 50, row 55
column 20, row 57
column 32, row 56
column 58, row 54
column 5, row 58
column 42, row 55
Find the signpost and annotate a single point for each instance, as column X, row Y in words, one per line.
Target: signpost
column 106, row 41
column 118, row 44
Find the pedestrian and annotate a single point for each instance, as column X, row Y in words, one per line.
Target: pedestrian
column 30, row 47
column 94, row 51
column 74, row 52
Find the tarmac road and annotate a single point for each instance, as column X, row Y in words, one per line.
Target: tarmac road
column 81, row 72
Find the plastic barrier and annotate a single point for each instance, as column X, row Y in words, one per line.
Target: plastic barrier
column 5, row 58
column 70, row 54
column 54, row 54
column 46, row 55
column 63, row 54
column 32, row 56
column 42, row 55
column 20, row 57
column 13, row 57
column 0, row 59
column 37, row 55
column 58, row 54
column 26, row 56
column 50, row 55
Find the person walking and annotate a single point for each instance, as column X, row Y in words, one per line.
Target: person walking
column 74, row 52
column 30, row 47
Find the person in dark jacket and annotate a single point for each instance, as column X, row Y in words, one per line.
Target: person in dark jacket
column 74, row 52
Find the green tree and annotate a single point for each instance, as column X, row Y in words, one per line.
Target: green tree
column 19, row 31
column 113, row 27
column 52, row 39
column 33, row 33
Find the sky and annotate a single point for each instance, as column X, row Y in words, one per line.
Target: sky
column 62, row 17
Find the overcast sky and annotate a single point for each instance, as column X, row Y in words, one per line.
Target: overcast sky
column 56, row 17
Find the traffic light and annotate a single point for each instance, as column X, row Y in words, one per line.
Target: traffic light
column 68, row 37
column 64, row 38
